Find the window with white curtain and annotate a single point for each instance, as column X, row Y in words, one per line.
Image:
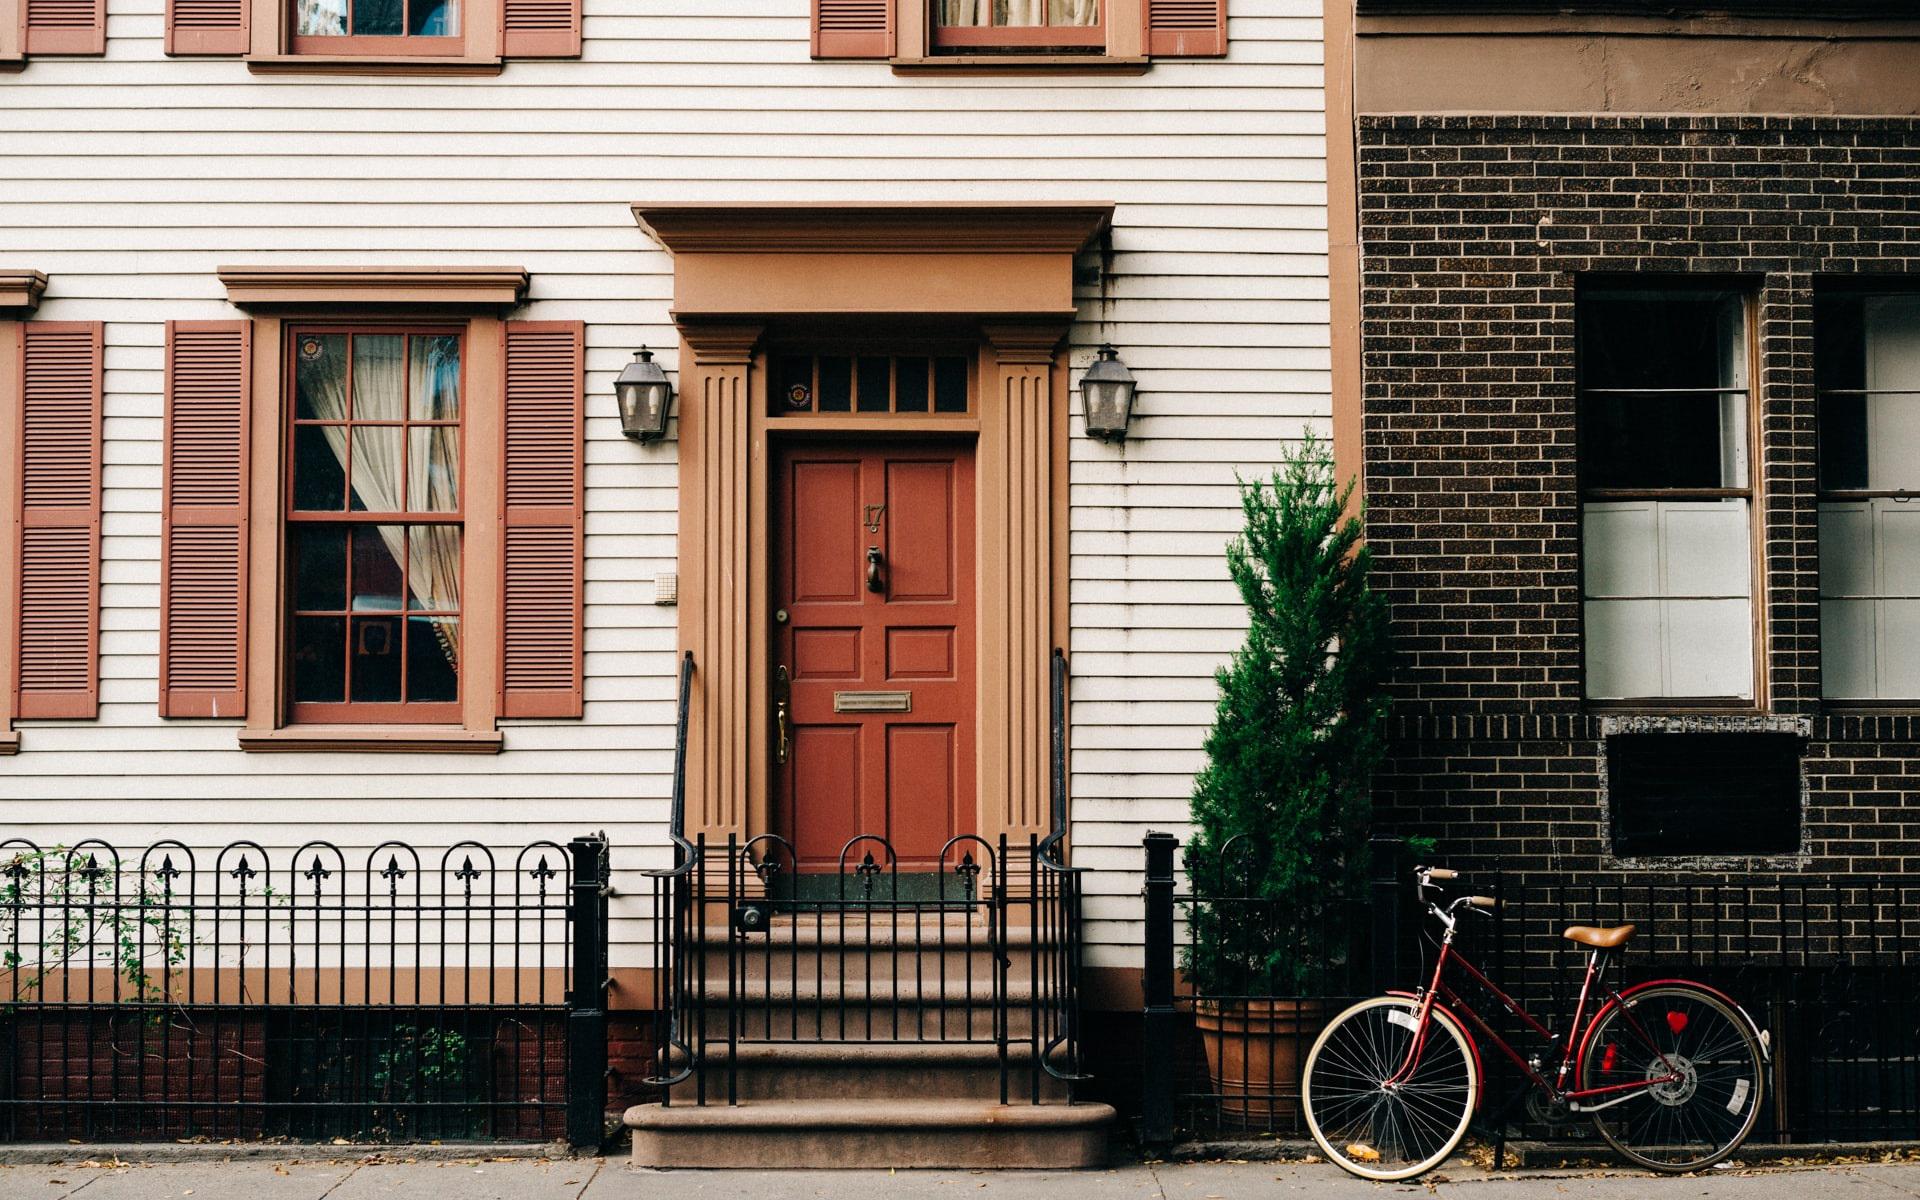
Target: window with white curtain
column 1867, row 365
column 374, row 522
column 1026, row 24
column 1666, row 494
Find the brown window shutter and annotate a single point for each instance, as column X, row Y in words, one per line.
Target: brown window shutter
column 59, row 633
column 203, row 517
column 66, row 26
column 853, row 28
column 545, row 506
column 208, row 27
column 540, row 28
column 1187, row 28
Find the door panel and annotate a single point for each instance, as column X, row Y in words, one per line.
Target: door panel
column 901, row 623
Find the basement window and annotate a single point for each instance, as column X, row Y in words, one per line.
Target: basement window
column 1707, row 793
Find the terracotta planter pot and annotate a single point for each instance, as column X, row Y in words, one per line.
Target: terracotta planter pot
column 1254, row 1051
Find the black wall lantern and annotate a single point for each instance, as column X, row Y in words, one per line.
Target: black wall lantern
column 1106, row 395
column 646, row 398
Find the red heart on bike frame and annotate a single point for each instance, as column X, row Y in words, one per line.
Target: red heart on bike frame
column 1676, row 1021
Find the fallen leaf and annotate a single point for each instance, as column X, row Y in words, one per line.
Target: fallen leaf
column 1360, row 1153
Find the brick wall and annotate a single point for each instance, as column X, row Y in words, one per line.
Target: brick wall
column 1474, row 231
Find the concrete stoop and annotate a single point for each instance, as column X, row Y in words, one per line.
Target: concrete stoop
column 870, row 1133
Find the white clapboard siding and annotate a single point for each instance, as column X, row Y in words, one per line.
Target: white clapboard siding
column 130, row 178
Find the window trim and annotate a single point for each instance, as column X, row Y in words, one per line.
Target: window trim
column 1748, row 289
column 275, row 48
column 1045, row 36
column 1122, row 46
column 1859, row 287
column 474, row 297
column 397, row 714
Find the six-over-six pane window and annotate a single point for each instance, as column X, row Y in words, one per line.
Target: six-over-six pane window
column 1666, row 494
column 374, row 518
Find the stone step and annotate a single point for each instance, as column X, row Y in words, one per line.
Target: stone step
column 786, row 1134
column 846, row 1022
column 872, row 1071
column 786, row 973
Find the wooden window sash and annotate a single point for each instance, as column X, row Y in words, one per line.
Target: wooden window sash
column 352, row 712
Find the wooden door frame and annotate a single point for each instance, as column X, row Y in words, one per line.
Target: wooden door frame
column 1001, row 275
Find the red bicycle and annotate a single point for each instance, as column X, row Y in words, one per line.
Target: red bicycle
column 1670, row 1071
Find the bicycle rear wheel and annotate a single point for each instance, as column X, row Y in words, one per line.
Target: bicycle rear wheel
column 1695, row 1120
column 1374, row 1130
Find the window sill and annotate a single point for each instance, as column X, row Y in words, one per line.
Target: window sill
column 368, row 64
column 1021, row 64
column 371, row 739
column 9, row 742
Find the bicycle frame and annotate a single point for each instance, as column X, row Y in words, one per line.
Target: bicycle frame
column 1439, row 991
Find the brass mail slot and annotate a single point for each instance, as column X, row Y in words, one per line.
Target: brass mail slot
column 873, row 702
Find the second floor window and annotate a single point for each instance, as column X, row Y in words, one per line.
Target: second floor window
column 376, row 26
column 375, row 525
column 1021, row 24
column 1666, row 495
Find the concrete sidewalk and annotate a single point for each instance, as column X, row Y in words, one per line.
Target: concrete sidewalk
column 610, row 1179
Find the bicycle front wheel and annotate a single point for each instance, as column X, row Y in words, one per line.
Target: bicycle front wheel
column 1364, row 1114
column 1710, row 1104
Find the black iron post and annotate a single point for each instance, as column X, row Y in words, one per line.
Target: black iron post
column 1384, row 892
column 1157, row 1040
column 587, row 1000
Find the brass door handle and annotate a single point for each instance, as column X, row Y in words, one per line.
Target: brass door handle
column 782, row 698
column 874, row 582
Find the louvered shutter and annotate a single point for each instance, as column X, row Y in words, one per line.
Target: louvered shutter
column 66, row 26
column 1190, row 28
column 208, row 27
column 544, row 500
column 203, row 547
column 540, row 28
column 58, row 637
column 853, row 28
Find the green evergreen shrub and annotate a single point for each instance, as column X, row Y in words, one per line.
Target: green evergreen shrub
column 1281, row 809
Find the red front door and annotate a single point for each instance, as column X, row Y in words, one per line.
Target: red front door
column 874, row 631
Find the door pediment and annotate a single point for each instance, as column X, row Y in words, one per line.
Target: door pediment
column 948, row 260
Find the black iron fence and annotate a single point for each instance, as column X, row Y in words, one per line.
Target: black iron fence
column 239, row 992
column 980, row 948
column 1829, row 967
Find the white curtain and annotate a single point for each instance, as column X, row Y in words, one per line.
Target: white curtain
column 321, row 18
column 380, row 382
column 1019, row 12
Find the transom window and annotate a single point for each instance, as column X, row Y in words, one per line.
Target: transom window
column 1666, row 494
column 870, row 383
column 1024, row 24
column 376, row 26
column 375, row 524
column 1867, row 369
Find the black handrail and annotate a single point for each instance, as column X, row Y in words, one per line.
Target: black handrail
column 1050, row 845
column 677, row 826
column 674, row 906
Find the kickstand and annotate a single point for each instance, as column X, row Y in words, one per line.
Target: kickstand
column 1513, row 1101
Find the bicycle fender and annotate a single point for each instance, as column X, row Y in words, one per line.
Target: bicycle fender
column 1761, row 1037
column 1473, row 1044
